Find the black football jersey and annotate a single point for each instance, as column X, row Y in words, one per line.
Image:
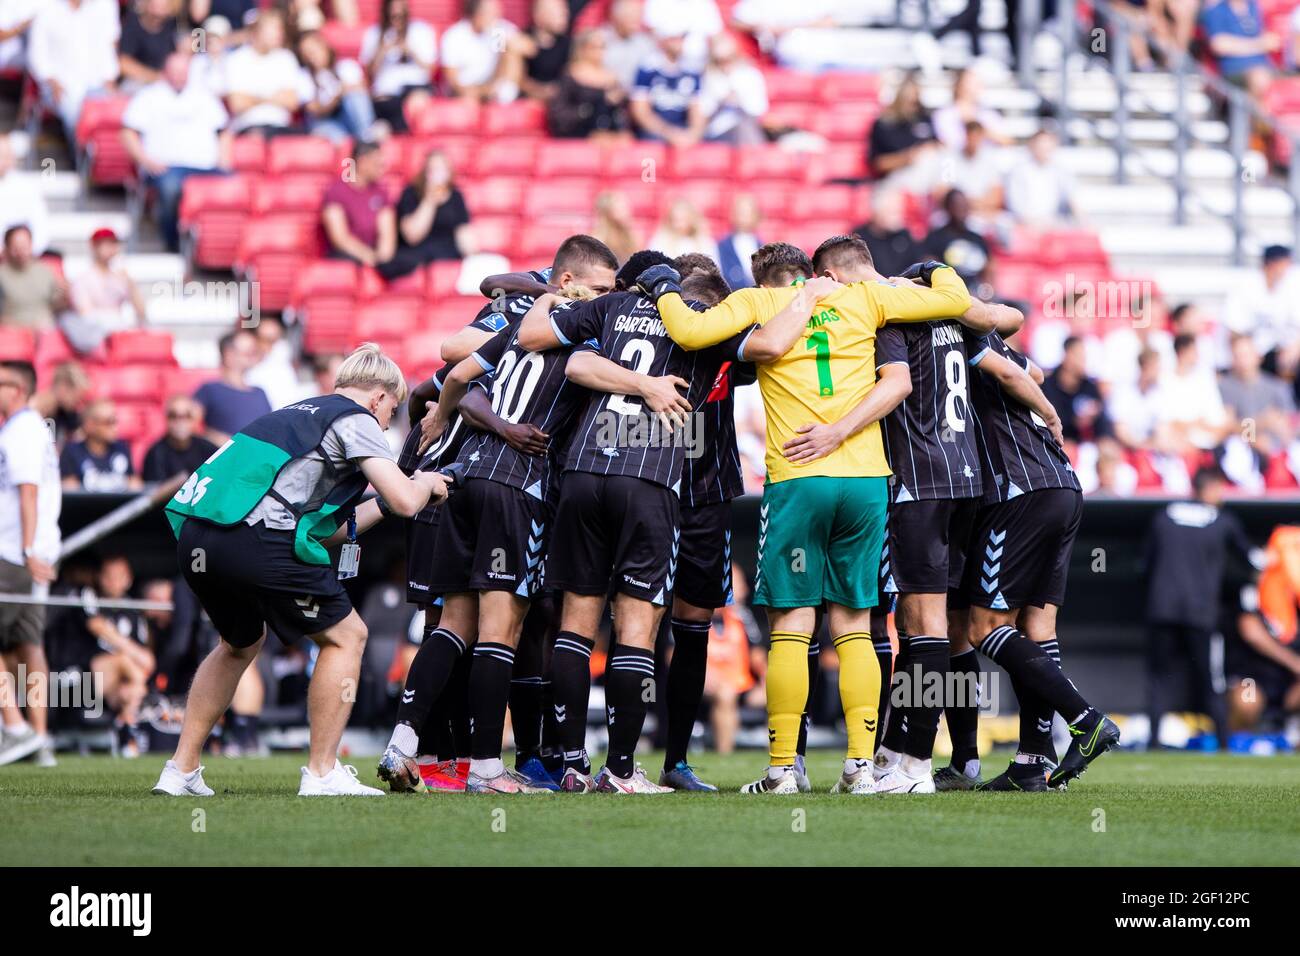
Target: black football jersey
column 508, row 310
column 441, row 453
column 615, row 434
column 1017, row 451
column 528, row 387
column 716, row 476
column 930, row 437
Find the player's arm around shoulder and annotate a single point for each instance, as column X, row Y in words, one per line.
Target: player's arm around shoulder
column 537, row 332
column 770, row 341
column 1017, row 383
column 661, row 393
column 945, row 297
column 698, row 330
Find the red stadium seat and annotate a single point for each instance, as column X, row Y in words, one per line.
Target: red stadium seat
column 846, row 123
column 345, row 40
column 332, row 277
column 99, row 136
column 140, row 424
column 423, row 354
column 302, row 154
column 141, row 347
column 495, row 233
column 836, row 88
column 642, row 161
column 386, row 322
column 100, row 113
column 828, row 201
column 407, row 289
column 568, row 158
column 130, row 383
column 297, row 193
column 248, row 154
column 451, row 314
column 539, row 238
column 441, row 278
column 768, row 162
column 272, row 252
column 559, row 196
column 791, row 86
column 839, row 161
column 494, row 196
column 712, row 199
column 186, row 381
column 1073, row 247
column 443, row 116
column 52, row 349
column 810, row 234
column 520, row 118
column 213, row 213
column 510, row 156
column 707, row 160
column 17, row 344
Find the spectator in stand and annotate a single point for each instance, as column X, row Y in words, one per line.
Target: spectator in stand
column 432, row 220
column 149, row 35
column 1188, row 319
column 614, row 225
column 102, row 294
column 812, row 35
column 1040, row 189
column 548, row 44
column 335, row 99
column 72, row 54
column 210, row 65
column 237, row 13
column 950, row 122
column 30, row 501
column 1262, row 409
column 734, row 94
column 627, row 43
column 975, row 170
column 1107, row 471
column 172, row 130
column 1267, row 307
column 1134, row 409
column 21, row 204
column 666, row 105
column 1174, row 22
column 263, row 81
column 893, row 247
column 701, row 19
column 229, row 403
column 1141, row 328
column 1076, row 397
column 1240, row 45
column 588, row 102
column 100, row 461
column 482, row 54
column 275, row 371
column 16, row 18
column 31, row 293
column 736, row 248
column 684, row 230
column 902, row 136
column 61, row 404
column 357, row 214
column 955, row 243
column 399, row 55
column 324, row 371
column 181, row 449
column 1191, row 409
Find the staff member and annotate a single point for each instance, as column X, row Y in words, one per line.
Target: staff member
column 30, row 501
column 1187, row 551
column 253, row 525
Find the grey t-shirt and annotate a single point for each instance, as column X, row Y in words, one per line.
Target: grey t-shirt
column 309, row 480
column 1250, row 399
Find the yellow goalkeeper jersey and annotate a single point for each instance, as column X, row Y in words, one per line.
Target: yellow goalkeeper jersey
column 833, row 368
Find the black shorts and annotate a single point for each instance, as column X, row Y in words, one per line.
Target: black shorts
column 614, row 533
column 704, row 558
column 1020, row 550
column 420, row 538
column 247, row 577
column 926, row 543
column 491, row 538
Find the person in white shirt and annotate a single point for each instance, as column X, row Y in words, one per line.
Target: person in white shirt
column 399, row 55
column 1266, row 306
column 812, row 35
column 264, row 86
column 701, row 18
column 21, row 202
column 1040, row 189
column 211, row 59
column 684, row 230
column 334, row 92
column 1190, row 409
column 172, row 130
column 734, row 96
column 483, row 54
column 72, row 53
column 30, row 501
column 16, row 18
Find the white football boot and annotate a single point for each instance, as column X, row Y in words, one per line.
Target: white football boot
column 898, row 781
column 174, row 783
column 340, row 782
column 783, row 785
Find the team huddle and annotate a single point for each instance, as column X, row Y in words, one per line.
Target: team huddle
column 576, row 458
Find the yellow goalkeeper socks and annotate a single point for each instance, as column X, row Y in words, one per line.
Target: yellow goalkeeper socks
column 787, row 693
column 859, row 691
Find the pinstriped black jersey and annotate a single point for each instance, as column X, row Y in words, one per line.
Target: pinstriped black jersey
column 509, row 310
column 616, row 434
column 930, row 437
column 716, row 476
column 524, row 387
column 1017, row 451
column 443, row 452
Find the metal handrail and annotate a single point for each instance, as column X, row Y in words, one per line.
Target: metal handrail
column 1242, row 110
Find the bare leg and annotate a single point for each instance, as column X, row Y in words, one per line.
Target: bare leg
column 333, row 689
column 210, row 696
column 33, row 656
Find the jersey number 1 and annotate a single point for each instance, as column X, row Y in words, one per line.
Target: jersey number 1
column 821, row 341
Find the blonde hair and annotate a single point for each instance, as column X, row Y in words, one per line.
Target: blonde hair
column 580, row 293
column 368, row 367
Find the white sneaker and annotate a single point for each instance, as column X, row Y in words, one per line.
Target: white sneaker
column 18, row 744
column 884, row 765
column 606, row 782
column 340, row 782
column 175, row 783
column 896, row 781
column 784, row 785
column 861, row 780
column 45, row 754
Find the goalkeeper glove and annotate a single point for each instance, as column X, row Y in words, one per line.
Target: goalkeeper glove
column 659, row 280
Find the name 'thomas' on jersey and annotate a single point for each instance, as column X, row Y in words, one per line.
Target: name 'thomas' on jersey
column 529, row 388
column 930, row 437
column 617, row 434
column 1017, row 450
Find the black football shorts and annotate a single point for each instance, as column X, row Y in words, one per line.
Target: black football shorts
column 704, row 558
column 926, row 544
column 1020, row 550
column 492, row 537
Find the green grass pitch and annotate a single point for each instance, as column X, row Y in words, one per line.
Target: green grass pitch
column 1130, row 809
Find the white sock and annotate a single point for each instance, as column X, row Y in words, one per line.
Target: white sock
column 887, row 758
column 775, row 772
column 405, row 739
column 487, row 769
column 915, row 767
column 852, row 764
column 972, row 769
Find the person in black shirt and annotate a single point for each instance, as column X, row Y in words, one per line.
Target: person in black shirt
column 588, row 99
column 1077, row 397
column 902, row 134
column 1187, row 551
column 892, row 245
column 180, row 450
column 551, row 40
column 957, row 245
column 149, row 35
column 432, row 220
